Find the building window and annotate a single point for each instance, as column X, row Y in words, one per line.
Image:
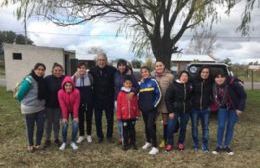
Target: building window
column 17, row 56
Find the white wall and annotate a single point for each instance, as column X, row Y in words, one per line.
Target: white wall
column 16, row 69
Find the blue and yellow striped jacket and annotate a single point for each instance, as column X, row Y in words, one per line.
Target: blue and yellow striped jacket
column 149, row 94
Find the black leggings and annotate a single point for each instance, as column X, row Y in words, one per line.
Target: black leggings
column 150, row 126
column 128, row 132
column 85, row 111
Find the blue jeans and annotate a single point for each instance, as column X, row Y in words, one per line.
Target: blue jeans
column 183, row 119
column 203, row 116
column 74, row 132
column 120, row 129
column 32, row 119
column 226, row 121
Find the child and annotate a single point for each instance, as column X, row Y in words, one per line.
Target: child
column 69, row 99
column 178, row 103
column 149, row 98
column 83, row 81
column 127, row 112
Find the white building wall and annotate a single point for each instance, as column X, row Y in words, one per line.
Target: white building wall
column 17, row 69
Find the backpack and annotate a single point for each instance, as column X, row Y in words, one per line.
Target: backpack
column 18, row 85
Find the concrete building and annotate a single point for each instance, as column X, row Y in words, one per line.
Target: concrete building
column 20, row 59
column 180, row 61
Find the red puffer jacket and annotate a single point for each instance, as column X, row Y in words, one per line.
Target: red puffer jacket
column 69, row 102
column 126, row 109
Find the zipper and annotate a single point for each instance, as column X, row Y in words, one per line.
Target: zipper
column 129, row 109
column 201, row 92
column 184, row 104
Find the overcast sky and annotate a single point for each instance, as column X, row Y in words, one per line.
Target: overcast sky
column 102, row 34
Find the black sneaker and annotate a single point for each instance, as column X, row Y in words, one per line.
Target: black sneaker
column 217, row 150
column 57, row 142
column 134, row 147
column 47, row 144
column 100, row 140
column 228, row 151
column 125, row 147
column 110, row 140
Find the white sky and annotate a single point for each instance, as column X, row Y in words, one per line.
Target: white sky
column 102, row 34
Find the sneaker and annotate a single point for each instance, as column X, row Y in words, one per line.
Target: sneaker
column 154, row 151
column 57, row 142
column 134, row 147
column 147, row 145
column 228, row 151
column 125, row 147
column 100, row 140
column 120, row 141
column 89, row 138
column 74, row 146
column 169, row 148
column 217, row 150
column 181, row 146
column 63, row 146
column 196, row 149
column 30, row 149
column 80, row 139
column 205, row 149
column 110, row 140
column 47, row 144
column 162, row 144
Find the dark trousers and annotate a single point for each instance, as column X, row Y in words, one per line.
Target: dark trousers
column 52, row 122
column 183, row 119
column 85, row 115
column 109, row 111
column 31, row 120
column 128, row 132
column 149, row 118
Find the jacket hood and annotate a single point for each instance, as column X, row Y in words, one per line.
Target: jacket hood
column 66, row 80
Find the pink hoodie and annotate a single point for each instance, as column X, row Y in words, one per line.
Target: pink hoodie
column 69, row 102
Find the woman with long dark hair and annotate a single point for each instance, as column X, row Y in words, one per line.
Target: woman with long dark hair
column 31, row 94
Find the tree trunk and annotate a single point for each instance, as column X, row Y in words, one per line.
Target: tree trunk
column 162, row 51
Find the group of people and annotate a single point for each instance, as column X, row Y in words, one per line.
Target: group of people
column 48, row 101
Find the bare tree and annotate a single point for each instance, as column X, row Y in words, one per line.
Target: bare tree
column 158, row 24
column 202, row 42
column 95, row 50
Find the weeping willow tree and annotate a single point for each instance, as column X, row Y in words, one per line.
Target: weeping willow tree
column 152, row 24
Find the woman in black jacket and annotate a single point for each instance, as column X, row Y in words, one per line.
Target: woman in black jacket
column 201, row 100
column 178, row 103
column 53, row 84
column 230, row 97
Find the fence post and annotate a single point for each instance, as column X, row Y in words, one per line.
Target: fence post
column 252, row 79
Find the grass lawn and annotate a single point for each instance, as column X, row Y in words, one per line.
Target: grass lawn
column 246, row 145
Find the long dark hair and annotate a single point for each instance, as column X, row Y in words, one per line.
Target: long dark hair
column 201, row 69
column 40, row 81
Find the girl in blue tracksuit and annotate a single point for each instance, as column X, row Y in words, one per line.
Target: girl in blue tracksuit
column 149, row 98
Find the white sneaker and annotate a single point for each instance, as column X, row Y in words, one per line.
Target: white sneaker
column 74, row 146
column 154, row 151
column 89, row 138
column 63, row 146
column 80, row 139
column 147, row 145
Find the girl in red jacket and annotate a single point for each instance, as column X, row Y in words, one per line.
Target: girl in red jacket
column 69, row 99
column 127, row 112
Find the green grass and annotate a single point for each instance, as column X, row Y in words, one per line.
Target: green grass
column 246, row 145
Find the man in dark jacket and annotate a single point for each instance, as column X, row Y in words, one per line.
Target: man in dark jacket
column 103, row 85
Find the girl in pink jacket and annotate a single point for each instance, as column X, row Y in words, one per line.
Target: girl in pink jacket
column 69, row 99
